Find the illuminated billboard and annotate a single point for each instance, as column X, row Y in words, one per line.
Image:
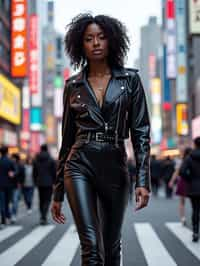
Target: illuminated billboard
column 182, row 119
column 10, row 101
column 18, row 38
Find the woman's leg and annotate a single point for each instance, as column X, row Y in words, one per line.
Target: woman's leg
column 83, row 203
column 112, row 209
column 182, row 209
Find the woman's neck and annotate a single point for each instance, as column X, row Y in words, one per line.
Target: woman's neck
column 100, row 69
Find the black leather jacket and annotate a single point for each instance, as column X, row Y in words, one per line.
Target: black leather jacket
column 124, row 108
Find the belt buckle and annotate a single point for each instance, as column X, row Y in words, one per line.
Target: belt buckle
column 98, row 136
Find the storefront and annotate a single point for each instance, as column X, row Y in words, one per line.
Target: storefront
column 10, row 114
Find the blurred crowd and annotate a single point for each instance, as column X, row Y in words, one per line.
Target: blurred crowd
column 18, row 180
column 179, row 176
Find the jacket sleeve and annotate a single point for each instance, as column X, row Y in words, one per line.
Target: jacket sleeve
column 68, row 136
column 140, row 132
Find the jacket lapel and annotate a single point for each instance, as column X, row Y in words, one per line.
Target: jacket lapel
column 115, row 87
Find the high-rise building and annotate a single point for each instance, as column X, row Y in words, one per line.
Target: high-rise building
column 150, row 48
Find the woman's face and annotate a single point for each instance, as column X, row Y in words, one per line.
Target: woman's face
column 95, row 43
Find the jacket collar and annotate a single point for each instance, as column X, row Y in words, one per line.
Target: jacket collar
column 116, row 73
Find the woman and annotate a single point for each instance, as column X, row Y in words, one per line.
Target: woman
column 181, row 187
column 101, row 104
column 28, row 184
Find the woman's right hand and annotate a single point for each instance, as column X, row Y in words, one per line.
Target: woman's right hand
column 56, row 213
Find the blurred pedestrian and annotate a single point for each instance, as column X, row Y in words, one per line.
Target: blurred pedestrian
column 101, row 103
column 28, row 184
column 16, row 181
column 155, row 167
column 7, row 172
column 44, row 173
column 167, row 170
column 181, row 187
column 190, row 171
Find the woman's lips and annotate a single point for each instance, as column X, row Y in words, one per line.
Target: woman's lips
column 97, row 52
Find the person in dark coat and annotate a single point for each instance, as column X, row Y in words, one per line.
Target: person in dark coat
column 155, row 167
column 17, row 181
column 44, row 174
column 7, row 172
column 190, row 171
column 168, row 168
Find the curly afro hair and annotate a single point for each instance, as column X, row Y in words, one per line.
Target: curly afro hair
column 114, row 30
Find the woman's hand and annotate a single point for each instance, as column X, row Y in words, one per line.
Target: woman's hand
column 56, row 213
column 141, row 197
column 170, row 184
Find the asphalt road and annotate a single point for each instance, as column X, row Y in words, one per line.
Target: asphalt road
column 151, row 237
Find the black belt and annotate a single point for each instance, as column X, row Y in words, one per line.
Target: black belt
column 100, row 137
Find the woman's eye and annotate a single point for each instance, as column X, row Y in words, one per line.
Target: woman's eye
column 88, row 39
column 102, row 37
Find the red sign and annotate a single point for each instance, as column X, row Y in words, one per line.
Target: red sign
column 18, row 38
column 33, row 54
column 170, row 9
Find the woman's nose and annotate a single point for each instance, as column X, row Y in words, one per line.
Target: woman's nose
column 96, row 41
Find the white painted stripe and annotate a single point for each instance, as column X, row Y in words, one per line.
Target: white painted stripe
column 9, row 231
column 121, row 262
column 154, row 251
column 65, row 250
column 185, row 236
column 16, row 252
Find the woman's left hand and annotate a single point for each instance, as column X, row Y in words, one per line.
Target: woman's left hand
column 141, row 197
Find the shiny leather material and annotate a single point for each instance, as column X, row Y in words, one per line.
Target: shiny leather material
column 97, row 185
column 124, row 109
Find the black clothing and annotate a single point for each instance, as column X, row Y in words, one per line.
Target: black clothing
column 168, row 168
column 44, row 170
column 155, row 169
column 97, row 182
column 94, row 170
column 44, row 173
column 124, row 107
column 195, row 201
column 6, row 165
column 45, row 194
column 190, row 171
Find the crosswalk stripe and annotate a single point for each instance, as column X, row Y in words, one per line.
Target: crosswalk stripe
column 9, row 231
column 155, row 253
column 16, row 252
column 185, row 236
column 65, row 250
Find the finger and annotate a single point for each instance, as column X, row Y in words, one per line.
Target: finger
column 138, row 203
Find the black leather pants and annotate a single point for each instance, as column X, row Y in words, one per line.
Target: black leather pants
column 97, row 186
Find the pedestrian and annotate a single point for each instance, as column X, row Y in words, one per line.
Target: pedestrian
column 190, row 171
column 181, row 187
column 16, row 188
column 44, row 173
column 167, row 170
column 101, row 103
column 155, row 167
column 28, row 184
column 7, row 172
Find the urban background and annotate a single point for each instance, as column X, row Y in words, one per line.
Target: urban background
column 33, row 70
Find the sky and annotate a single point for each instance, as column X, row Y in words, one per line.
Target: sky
column 133, row 13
